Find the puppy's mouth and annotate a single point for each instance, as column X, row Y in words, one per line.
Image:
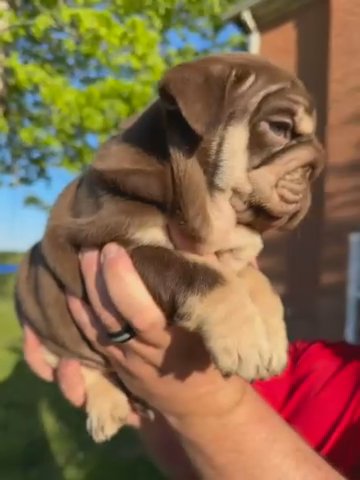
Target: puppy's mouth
column 280, row 188
column 259, row 217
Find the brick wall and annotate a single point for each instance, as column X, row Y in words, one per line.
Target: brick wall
column 309, row 265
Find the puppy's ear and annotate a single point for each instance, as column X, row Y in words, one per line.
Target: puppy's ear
column 200, row 91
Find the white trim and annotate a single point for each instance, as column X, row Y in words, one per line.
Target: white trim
column 352, row 327
column 254, row 34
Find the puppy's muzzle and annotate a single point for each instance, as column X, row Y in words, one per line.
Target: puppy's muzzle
column 281, row 187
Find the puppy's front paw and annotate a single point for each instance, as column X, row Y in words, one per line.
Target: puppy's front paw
column 246, row 350
column 107, row 408
column 243, row 350
column 236, row 335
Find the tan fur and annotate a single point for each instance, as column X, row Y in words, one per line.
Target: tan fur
column 107, row 407
column 247, row 245
column 51, row 359
column 152, row 236
column 271, row 310
column 281, row 185
column 234, row 169
column 249, row 351
column 304, row 122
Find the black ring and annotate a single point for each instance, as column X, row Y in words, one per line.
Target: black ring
column 123, row 335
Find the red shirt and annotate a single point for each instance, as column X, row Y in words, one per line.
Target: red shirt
column 319, row 395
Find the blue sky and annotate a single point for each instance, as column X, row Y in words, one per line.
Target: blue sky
column 21, row 226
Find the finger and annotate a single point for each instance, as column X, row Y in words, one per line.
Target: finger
column 133, row 420
column 87, row 322
column 97, row 292
column 71, row 381
column 138, row 352
column 129, row 294
column 34, row 357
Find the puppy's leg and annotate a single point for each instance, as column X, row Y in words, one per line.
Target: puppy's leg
column 50, row 358
column 113, row 223
column 107, row 407
column 201, row 297
column 244, row 246
column 61, row 258
column 271, row 310
column 234, row 331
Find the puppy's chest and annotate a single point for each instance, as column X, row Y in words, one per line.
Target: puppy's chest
column 235, row 245
column 142, row 224
column 225, row 232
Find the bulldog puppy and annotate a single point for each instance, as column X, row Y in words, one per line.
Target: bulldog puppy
column 226, row 152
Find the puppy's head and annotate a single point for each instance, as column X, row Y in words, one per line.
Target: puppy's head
column 251, row 127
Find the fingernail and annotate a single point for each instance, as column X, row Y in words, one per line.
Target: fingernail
column 111, row 250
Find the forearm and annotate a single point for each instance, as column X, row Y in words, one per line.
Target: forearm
column 162, row 445
column 248, row 443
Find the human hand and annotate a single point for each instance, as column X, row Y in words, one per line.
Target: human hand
column 167, row 367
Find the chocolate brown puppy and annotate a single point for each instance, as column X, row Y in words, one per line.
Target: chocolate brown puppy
column 226, row 152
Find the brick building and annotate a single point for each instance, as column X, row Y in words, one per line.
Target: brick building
column 318, row 40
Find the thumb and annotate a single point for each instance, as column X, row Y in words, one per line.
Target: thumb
column 128, row 292
column 34, row 355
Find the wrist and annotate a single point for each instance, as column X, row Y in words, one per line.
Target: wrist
column 219, row 406
column 208, row 437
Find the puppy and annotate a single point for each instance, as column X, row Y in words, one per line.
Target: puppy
column 226, row 152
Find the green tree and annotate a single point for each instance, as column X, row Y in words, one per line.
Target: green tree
column 72, row 70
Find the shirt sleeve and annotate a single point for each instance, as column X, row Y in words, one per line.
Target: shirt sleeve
column 319, row 395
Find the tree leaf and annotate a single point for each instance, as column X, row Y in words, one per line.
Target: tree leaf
column 75, row 70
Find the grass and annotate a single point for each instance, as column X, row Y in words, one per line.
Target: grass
column 44, row 438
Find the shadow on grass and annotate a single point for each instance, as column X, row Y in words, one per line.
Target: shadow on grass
column 44, row 438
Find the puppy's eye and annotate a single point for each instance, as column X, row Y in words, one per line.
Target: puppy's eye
column 281, row 128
